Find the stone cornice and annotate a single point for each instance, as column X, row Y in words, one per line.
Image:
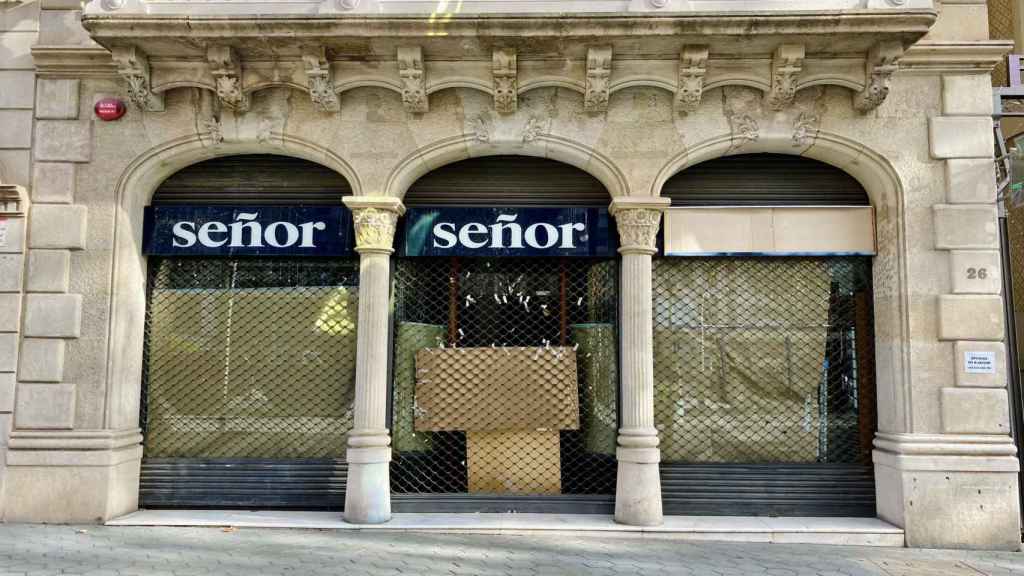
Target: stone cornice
column 931, row 57
column 73, row 61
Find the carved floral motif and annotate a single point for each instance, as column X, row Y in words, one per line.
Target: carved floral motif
column 375, row 228
column 638, row 229
column 692, row 68
column 533, row 129
column 599, row 72
column 882, row 62
column 133, row 66
column 320, row 81
column 414, row 82
column 227, row 74
column 805, row 129
column 506, row 98
column 786, row 67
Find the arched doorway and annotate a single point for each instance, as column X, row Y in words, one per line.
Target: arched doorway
column 764, row 360
column 505, row 365
column 249, row 354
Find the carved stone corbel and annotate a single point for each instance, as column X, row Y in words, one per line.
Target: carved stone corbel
column 412, row 73
column 599, row 72
column 882, row 61
column 787, row 63
column 320, row 79
column 227, row 75
column 693, row 62
column 133, row 66
column 506, row 85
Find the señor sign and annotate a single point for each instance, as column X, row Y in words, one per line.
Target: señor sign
column 247, row 231
column 507, row 232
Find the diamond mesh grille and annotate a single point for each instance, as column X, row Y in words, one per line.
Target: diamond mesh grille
column 505, row 376
column 249, row 358
column 1001, row 16
column 764, row 360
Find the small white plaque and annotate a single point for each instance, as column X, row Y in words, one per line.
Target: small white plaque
column 3, row 233
column 980, row 362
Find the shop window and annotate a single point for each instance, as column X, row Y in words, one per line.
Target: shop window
column 764, row 360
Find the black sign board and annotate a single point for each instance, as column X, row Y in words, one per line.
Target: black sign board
column 174, row 230
column 507, row 232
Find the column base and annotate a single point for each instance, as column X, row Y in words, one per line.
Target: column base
column 368, row 488
column 69, row 477
column 638, row 487
column 949, row 491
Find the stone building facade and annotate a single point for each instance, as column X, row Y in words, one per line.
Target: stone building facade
column 895, row 93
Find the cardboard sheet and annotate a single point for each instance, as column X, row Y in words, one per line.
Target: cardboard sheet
column 522, row 462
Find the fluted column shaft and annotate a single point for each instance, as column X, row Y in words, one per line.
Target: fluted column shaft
column 368, row 490
column 638, row 491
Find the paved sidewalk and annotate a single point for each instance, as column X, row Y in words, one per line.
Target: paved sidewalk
column 156, row 551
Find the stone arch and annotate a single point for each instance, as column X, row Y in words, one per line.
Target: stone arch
column 885, row 189
column 134, row 189
column 446, row 151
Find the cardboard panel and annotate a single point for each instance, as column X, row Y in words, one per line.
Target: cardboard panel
column 496, row 389
column 524, row 462
column 772, row 231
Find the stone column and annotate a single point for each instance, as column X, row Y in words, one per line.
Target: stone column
column 638, row 490
column 368, row 492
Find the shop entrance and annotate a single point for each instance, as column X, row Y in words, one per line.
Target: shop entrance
column 249, row 359
column 505, row 368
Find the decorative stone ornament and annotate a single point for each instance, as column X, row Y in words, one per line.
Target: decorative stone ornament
column 375, row 229
column 638, row 229
column 506, row 85
column 693, row 63
column 787, row 63
column 133, row 66
column 227, row 75
column 412, row 73
column 599, row 72
column 882, row 61
column 320, row 79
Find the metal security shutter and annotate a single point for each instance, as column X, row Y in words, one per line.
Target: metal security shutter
column 764, row 180
column 831, row 486
column 187, row 469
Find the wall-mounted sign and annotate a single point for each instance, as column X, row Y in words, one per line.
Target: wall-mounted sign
column 3, row 233
column 108, row 109
column 247, row 231
column 507, row 232
column 980, row 362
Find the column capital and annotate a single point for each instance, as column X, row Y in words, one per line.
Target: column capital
column 375, row 218
column 638, row 220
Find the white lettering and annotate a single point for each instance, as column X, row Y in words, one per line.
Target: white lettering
column 244, row 221
column 307, row 233
column 516, row 231
column 550, row 235
column 212, row 228
column 567, row 233
column 186, row 231
column 446, row 232
column 291, row 234
column 473, row 228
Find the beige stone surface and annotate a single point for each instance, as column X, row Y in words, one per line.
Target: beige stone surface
column 966, row 95
column 961, row 226
column 18, row 89
column 53, row 182
column 14, row 238
column 16, row 49
column 63, row 141
column 7, row 384
column 974, row 378
column 17, row 132
column 48, row 270
column 58, row 226
column 11, row 270
column 63, row 27
column 975, row 271
column 10, row 312
column 57, row 99
column 53, row 315
column 970, row 181
column 970, row 317
column 45, row 406
column 15, row 166
column 975, row 411
column 8, row 352
column 960, row 137
column 42, row 360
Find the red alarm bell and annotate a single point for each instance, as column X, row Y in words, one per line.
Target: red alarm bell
column 108, row 109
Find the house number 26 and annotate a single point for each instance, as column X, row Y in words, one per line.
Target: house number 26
column 977, row 273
